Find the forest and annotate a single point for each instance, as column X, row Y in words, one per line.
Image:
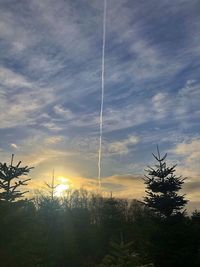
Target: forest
column 90, row 229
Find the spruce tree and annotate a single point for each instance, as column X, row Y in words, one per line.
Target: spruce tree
column 10, row 181
column 122, row 255
column 162, row 188
column 52, row 187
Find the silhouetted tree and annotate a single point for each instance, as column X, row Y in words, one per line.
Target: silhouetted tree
column 122, row 255
column 52, row 187
column 196, row 216
column 10, row 181
column 112, row 213
column 162, row 188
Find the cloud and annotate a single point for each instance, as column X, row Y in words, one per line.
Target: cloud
column 15, row 33
column 24, row 98
column 14, row 146
column 13, row 80
column 162, row 104
column 192, row 187
column 63, row 112
column 125, row 185
column 64, row 31
column 123, row 146
column 50, row 81
column 190, row 149
column 54, row 139
column 187, row 99
column 121, row 185
column 189, row 153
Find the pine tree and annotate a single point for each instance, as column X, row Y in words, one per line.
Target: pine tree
column 162, row 188
column 52, row 187
column 122, row 255
column 10, row 182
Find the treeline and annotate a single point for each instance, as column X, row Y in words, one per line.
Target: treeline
column 88, row 230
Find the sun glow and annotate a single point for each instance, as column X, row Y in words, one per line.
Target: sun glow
column 62, row 187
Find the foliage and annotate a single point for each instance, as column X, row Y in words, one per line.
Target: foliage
column 122, row 255
column 10, row 182
column 162, row 188
column 82, row 230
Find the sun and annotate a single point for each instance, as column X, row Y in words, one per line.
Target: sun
column 62, row 187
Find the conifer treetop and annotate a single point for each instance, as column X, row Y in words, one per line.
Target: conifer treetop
column 11, row 180
column 162, row 186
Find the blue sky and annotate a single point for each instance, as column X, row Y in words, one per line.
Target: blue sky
column 50, row 88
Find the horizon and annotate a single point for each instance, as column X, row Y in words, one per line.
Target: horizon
column 50, row 91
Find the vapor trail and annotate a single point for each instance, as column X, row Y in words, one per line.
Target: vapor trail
column 102, row 92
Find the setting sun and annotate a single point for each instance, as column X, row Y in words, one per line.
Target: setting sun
column 63, row 185
column 61, row 188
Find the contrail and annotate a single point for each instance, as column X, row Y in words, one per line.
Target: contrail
column 102, row 92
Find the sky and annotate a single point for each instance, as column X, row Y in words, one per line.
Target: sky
column 50, row 90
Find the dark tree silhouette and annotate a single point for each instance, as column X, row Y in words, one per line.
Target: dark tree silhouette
column 10, row 181
column 162, row 188
column 196, row 216
column 112, row 214
column 122, row 255
column 52, row 187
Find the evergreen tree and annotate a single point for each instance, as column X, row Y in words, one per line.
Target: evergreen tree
column 52, row 187
column 162, row 188
column 122, row 255
column 10, row 182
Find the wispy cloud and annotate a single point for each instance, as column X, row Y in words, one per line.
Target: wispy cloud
column 122, row 146
column 189, row 152
column 50, row 75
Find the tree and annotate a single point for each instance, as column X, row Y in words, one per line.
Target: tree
column 10, row 181
column 162, row 188
column 112, row 215
column 196, row 216
column 122, row 255
column 52, row 187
